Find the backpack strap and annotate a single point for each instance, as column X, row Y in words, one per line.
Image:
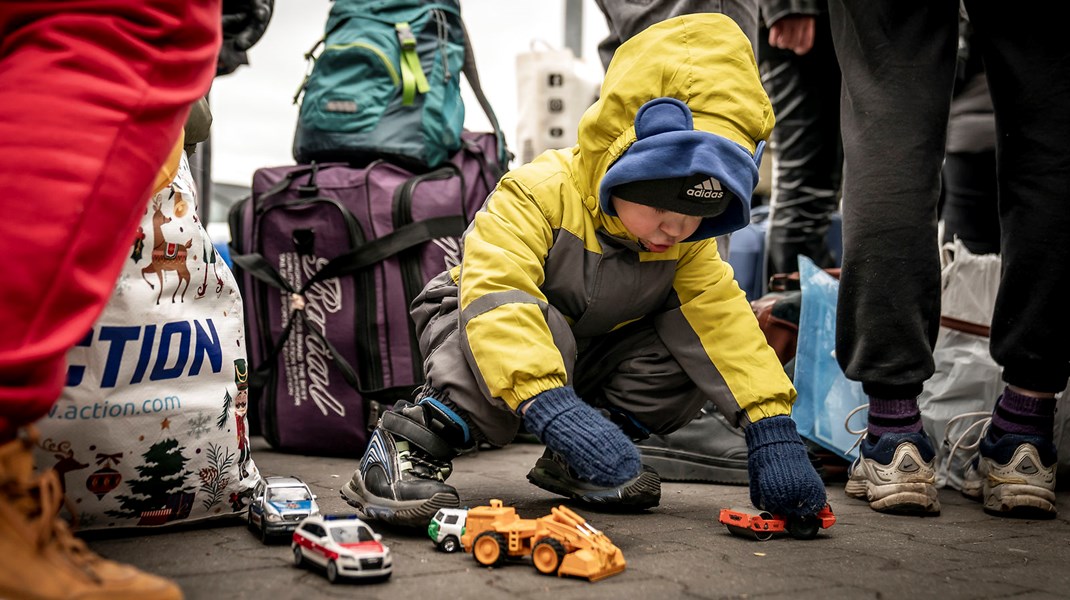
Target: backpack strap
column 472, row 74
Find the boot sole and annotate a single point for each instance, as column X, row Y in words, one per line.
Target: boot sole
column 641, row 493
column 405, row 513
column 672, row 467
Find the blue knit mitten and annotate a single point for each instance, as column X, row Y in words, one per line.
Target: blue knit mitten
column 782, row 479
column 595, row 448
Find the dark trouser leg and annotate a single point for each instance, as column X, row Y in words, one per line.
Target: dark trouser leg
column 401, row 477
column 1029, row 77
column 898, row 65
column 807, row 158
column 970, row 210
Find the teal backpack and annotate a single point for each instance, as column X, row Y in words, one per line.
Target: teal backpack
column 387, row 85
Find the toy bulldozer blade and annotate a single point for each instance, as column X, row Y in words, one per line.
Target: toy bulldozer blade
column 596, row 558
column 592, row 565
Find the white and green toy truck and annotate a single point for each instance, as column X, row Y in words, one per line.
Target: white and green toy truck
column 446, row 528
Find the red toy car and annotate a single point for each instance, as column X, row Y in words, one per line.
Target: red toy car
column 761, row 525
column 344, row 545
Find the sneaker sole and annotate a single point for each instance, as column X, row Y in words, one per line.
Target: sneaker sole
column 897, row 498
column 671, row 467
column 406, row 513
column 903, row 492
column 642, row 493
column 1020, row 500
column 1009, row 492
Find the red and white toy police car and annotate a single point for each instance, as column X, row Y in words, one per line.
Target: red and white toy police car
column 344, row 545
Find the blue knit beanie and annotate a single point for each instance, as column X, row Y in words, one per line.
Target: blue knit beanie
column 675, row 167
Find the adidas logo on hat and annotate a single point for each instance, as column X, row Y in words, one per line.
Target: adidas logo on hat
column 710, row 188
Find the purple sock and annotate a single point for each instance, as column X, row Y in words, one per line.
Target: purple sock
column 893, row 416
column 1023, row 415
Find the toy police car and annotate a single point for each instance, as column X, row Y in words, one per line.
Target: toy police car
column 344, row 545
column 279, row 504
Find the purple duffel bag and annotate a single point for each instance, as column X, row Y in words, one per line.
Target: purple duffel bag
column 328, row 258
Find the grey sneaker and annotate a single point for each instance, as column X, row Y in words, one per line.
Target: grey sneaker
column 553, row 474
column 896, row 474
column 1014, row 475
column 708, row 449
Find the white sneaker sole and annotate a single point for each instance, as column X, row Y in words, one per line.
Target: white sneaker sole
column 905, row 485
column 1022, row 487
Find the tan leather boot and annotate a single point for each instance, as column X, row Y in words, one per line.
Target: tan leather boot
column 42, row 559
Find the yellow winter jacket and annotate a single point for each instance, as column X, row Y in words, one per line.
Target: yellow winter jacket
column 542, row 237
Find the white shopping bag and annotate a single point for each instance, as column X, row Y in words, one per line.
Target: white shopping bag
column 554, row 88
column 150, row 429
column 967, row 379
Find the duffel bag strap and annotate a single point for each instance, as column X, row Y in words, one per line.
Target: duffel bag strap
column 399, row 240
column 256, row 265
column 263, row 373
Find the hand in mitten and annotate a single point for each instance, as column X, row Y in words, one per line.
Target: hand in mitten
column 782, row 478
column 595, row 448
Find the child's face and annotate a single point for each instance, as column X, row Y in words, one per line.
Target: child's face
column 657, row 229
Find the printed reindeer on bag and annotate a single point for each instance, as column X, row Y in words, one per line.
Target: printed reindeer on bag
column 65, row 460
column 167, row 256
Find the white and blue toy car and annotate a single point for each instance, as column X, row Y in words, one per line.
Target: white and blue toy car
column 279, row 504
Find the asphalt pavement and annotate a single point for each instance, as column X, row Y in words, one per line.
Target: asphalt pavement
column 676, row 550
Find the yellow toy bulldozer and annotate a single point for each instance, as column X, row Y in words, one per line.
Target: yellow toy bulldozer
column 561, row 543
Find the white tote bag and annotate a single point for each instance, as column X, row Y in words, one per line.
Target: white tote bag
column 554, row 88
column 150, row 429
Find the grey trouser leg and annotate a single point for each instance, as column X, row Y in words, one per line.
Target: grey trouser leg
column 436, row 313
column 629, row 372
column 633, row 375
column 625, row 19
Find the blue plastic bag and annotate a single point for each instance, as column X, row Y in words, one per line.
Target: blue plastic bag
column 825, row 395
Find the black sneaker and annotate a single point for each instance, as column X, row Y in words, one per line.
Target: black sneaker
column 553, row 474
column 707, row 450
column 401, row 478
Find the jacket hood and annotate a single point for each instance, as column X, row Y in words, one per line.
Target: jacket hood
column 682, row 99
